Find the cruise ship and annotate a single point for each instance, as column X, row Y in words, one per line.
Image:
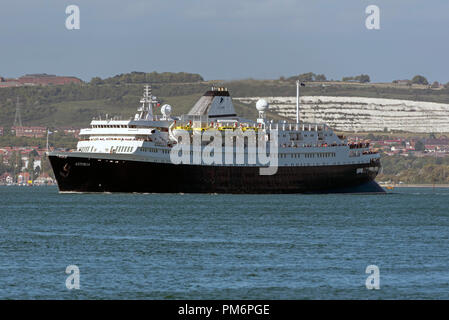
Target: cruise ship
column 213, row 150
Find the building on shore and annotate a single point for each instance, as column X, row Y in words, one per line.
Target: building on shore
column 6, row 179
column 69, row 131
column 44, row 179
column 8, row 84
column 24, row 178
column 34, row 132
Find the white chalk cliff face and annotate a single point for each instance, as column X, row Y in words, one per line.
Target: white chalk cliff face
column 362, row 114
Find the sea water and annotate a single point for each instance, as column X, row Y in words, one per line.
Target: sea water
column 190, row 246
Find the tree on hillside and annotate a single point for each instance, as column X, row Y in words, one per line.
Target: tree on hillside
column 363, row 78
column 30, row 167
column 418, row 79
column 154, row 77
column 309, row 76
column 96, row 81
column 33, row 153
column 435, row 85
column 16, row 162
column 46, row 167
column 37, row 172
column 419, row 146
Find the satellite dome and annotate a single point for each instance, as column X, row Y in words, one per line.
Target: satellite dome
column 262, row 105
column 166, row 110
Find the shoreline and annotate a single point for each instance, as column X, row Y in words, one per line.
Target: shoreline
column 417, row 185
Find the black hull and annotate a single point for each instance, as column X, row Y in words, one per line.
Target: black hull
column 81, row 174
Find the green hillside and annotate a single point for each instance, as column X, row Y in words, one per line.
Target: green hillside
column 75, row 105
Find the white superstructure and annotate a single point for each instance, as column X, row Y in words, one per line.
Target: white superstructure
column 150, row 137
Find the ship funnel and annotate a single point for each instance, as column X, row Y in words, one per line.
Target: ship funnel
column 215, row 103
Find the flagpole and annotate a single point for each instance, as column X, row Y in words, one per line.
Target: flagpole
column 297, row 101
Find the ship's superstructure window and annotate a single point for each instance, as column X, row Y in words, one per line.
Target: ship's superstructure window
column 144, row 149
column 123, row 149
column 309, row 155
column 115, row 126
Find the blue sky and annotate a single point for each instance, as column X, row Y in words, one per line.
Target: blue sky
column 231, row 39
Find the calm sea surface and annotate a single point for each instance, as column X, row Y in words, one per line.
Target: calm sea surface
column 134, row 246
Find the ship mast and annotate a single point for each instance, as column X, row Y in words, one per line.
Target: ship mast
column 147, row 101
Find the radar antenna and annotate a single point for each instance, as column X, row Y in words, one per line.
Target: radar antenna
column 261, row 106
